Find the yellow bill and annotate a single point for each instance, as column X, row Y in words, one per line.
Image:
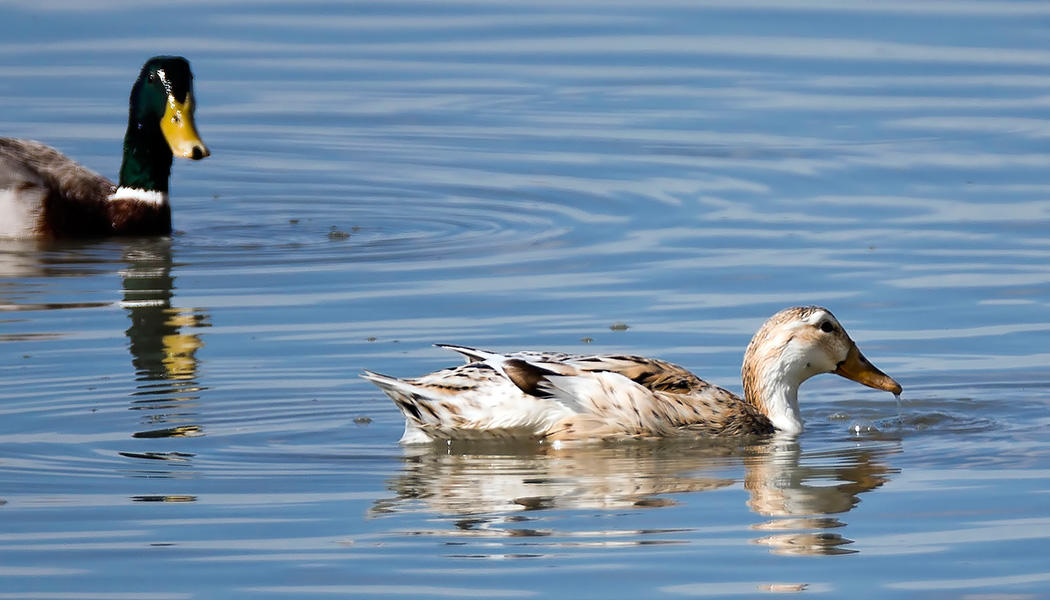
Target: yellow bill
column 180, row 131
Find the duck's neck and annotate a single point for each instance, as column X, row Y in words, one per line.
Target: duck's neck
column 773, row 389
column 147, row 161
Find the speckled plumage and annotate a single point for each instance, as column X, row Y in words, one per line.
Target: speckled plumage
column 557, row 396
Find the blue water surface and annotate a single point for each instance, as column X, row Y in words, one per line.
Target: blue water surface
column 182, row 418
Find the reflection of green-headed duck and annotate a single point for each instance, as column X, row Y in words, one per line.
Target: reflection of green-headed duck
column 43, row 193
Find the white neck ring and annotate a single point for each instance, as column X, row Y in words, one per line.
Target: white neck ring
column 139, row 195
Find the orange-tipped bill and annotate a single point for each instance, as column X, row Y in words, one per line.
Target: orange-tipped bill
column 180, row 131
column 859, row 369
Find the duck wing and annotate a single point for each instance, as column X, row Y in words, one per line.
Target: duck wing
column 31, row 163
column 616, row 395
column 39, row 183
column 652, row 374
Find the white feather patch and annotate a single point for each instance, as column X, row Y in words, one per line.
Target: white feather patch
column 19, row 214
column 810, row 319
column 145, row 196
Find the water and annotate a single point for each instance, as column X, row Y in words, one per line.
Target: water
column 183, row 418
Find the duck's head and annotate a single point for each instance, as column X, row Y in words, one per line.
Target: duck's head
column 163, row 98
column 794, row 345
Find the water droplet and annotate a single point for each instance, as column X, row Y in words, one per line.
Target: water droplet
column 862, row 426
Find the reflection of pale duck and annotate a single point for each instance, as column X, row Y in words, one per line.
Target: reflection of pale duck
column 477, row 481
column 799, row 491
column 565, row 397
column 44, row 193
column 488, row 482
column 782, row 484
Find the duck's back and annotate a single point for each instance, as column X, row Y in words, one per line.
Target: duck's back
column 639, row 396
column 44, row 192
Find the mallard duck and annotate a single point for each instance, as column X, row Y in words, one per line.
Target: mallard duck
column 43, row 193
column 563, row 397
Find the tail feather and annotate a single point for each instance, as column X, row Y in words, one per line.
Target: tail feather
column 492, row 398
column 412, row 404
column 471, row 354
column 384, row 382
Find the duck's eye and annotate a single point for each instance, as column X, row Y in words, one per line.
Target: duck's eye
column 827, row 327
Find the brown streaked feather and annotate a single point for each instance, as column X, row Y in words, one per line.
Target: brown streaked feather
column 592, row 427
column 660, row 376
column 652, row 374
column 528, row 377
